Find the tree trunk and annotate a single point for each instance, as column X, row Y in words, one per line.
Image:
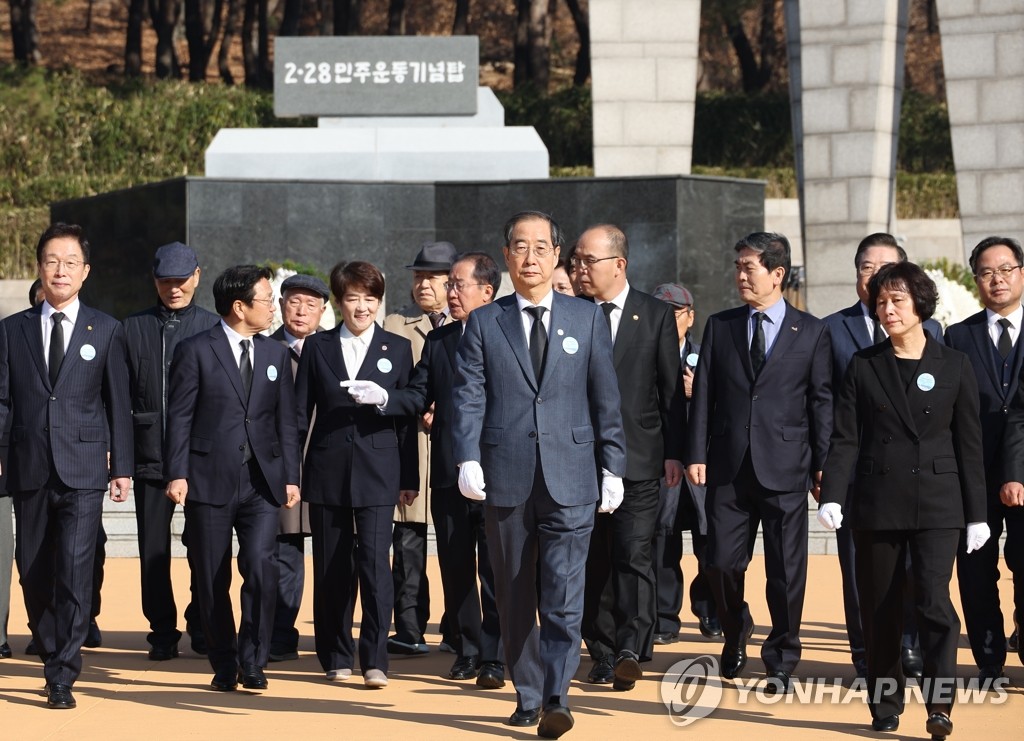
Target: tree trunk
column 24, row 33
column 347, row 17
column 133, row 38
column 234, row 20
column 165, row 18
column 540, row 43
column 582, row 23
column 461, row 25
column 292, row 16
column 396, row 18
column 521, row 52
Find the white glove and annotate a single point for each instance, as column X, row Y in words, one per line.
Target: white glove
column 471, row 481
column 830, row 515
column 978, row 534
column 611, row 493
column 366, row 392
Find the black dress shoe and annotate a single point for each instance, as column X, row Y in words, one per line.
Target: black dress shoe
column 860, row 666
column 225, row 680
column 939, row 725
column 989, row 674
column 732, row 662
column 522, row 718
column 888, row 724
column 163, row 653
column 664, row 639
column 778, row 683
column 913, row 664
column 554, row 721
column 252, row 677
column 59, row 697
column 492, row 675
column 463, row 668
column 627, row 671
column 5, row 651
column 282, row 654
column 709, row 627
column 1013, row 642
column 198, row 639
column 31, row 649
column 93, row 639
column 602, row 672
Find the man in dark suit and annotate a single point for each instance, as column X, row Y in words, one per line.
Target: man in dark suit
column 760, row 421
column 620, row 607
column 459, row 522
column 682, row 509
column 64, row 380
column 152, row 336
column 231, row 457
column 853, row 329
column 990, row 339
column 538, row 407
column 303, row 303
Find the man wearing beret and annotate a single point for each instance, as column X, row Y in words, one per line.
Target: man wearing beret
column 153, row 334
column 303, row 303
column 414, row 322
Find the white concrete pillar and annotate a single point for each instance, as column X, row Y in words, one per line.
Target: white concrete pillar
column 644, row 68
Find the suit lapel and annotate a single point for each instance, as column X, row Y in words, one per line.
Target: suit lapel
column 261, row 372
column 450, row 343
column 931, row 364
column 884, row 365
column 739, row 338
column 220, row 345
column 378, row 350
column 787, row 334
column 80, row 336
column 857, row 327
column 33, row 330
column 627, row 328
column 512, row 325
column 979, row 333
column 562, row 326
column 329, row 346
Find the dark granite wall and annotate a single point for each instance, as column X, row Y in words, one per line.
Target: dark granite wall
column 680, row 228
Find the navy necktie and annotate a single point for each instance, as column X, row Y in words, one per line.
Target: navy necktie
column 757, row 345
column 245, row 368
column 1005, row 345
column 56, row 354
column 538, row 339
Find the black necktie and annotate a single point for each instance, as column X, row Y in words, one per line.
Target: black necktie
column 1005, row 344
column 538, row 339
column 245, row 368
column 56, row 355
column 608, row 307
column 757, row 345
column 436, row 318
column 877, row 335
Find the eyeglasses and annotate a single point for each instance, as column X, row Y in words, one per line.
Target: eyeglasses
column 264, row 301
column 460, row 287
column 586, row 263
column 539, row 250
column 1004, row 271
column 69, row 265
column 868, row 269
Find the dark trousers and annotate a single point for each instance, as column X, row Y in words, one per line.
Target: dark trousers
column 350, row 554
column 153, row 513
column 619, row 608
column 254, row 517
column 462, row 554
column 978, row 574
column 538, row 552
column 409, row 576
column 851, row 599
column 881, row 572
column 291, row 562
column 57, row 530
column 733, row 512
column 668, row 554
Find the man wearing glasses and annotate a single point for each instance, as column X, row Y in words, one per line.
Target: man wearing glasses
column 538, row 438
column 990, row 340
column 472, row 613
column 853, row 329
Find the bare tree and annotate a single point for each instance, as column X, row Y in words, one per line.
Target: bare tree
column 231, row 25
column 256, row 45
column 396, row 18
column 290, row 19
column 202, row 29
column 532, row 55
column 347, row 15
column 582, row 23
column 756, row 74
column 460, row 27
column 24, row 32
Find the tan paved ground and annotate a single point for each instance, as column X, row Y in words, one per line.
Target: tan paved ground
column 122, row 695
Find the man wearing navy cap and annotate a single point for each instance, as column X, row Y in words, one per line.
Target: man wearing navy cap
column 153, row 335
column 414, row 322
column 303, row 303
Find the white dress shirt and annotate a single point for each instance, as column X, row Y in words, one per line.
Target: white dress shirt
column 234, row 340
column 619, row 302
column 870, row 323
column 524, row 303
column 354, row 348
column 293, row 342
column 68, row 324
column 995, row 329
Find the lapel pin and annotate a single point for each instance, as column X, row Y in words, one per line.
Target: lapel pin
column 636, row 318
column 89, row 328
column 561, row 332
column 384, row 348
column 794, row 329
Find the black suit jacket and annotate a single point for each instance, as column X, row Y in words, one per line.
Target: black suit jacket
column 971, row 338
column 783, row 417
column 209, row 420
column 917, row 453
column 78, row 420
column 431, row 382
column 356, row 457
column 646, row 358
